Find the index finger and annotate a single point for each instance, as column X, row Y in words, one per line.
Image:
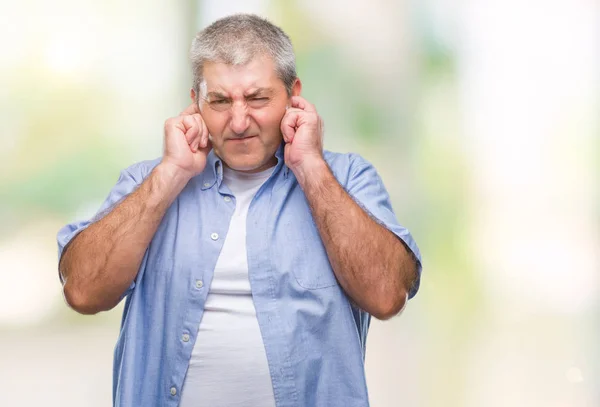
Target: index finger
column 190, row 110
column 301, row 103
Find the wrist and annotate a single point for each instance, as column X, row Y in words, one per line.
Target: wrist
column 310, row 170
column 172, row 174
column 168, row 180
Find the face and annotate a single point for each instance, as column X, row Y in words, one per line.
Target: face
column 242, row 107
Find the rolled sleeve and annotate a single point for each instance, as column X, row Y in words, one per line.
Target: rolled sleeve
column 366, row 187
column 126, row 184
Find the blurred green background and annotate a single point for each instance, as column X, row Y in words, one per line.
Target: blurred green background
column 482, row 118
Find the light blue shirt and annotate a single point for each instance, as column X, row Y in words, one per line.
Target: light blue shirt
column 314, row 338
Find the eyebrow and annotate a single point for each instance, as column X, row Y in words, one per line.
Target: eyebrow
column 215, row 95
column 258, row 92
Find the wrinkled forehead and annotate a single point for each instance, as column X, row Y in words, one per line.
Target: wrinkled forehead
column 234, row 80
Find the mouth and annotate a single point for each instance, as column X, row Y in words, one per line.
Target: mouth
column 241, row 139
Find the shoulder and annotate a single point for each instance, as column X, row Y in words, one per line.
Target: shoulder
column 345, row 161
column 345, row 165
column 140, row 170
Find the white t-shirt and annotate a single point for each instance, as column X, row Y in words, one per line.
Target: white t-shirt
column 228, row 366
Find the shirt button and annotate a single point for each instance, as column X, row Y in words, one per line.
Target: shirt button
column 206, row 184
column 185, row 337
column 214, row 236
column 227, row 199
column 173, row 391
column 199, row 284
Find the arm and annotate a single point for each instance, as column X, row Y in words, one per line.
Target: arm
column 371, row 264
column 100, row 263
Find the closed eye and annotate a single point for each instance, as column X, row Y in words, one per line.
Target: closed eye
column 258, row 99
column 257, row 102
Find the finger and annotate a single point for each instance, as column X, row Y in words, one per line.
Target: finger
column 204, row 142
column 201, row 138
column 195, row 144
column 192, row 120
column 208, row 147
column 289, row 124
column 198, row 123
column 190, row 110
column 201, row 128
column 191, row 128
column 301, row 103
column 172, row 125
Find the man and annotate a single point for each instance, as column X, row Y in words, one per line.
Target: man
column 251, row 259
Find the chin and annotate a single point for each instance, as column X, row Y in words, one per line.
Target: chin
column 249, row 160
column 244, row 163
column 244, row 167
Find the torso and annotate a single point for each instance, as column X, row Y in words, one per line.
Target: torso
column 228, row 365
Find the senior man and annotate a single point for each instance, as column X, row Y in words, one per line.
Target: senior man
column 251, row 260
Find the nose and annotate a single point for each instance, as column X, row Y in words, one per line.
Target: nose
column 240, row 121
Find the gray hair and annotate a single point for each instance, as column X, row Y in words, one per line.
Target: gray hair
column 236, row 40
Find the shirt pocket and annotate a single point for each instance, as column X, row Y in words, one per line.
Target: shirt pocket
column 311, row 267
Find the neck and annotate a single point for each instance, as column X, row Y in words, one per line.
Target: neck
column 271, row 163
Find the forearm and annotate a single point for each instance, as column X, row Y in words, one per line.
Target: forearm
column 370, row 262
column 102, row 261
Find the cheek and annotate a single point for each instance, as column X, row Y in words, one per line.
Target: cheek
column 215, row 123
column 269, row 120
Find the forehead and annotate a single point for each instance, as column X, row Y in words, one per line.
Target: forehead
column 259, row 72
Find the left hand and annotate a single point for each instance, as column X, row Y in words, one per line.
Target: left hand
column 302, row 130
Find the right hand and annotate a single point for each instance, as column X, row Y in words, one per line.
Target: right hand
column 186, row 142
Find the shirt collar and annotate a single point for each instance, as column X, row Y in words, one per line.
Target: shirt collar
column 213, row 173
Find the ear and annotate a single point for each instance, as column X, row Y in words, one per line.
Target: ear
column 297, row 87
column 193, row 95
